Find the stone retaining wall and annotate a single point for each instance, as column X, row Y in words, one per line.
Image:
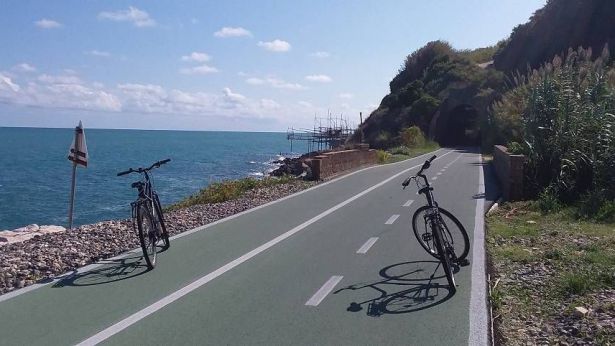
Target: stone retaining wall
column 509, row 169
column 331, row 163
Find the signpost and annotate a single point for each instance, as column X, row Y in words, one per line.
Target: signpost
column 78, row 154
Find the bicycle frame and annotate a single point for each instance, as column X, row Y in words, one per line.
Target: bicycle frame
column 146, row 195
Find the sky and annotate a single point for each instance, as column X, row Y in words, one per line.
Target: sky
column 222, row 65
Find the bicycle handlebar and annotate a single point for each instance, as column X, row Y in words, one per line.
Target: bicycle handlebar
column 141, row 170
column 426, row 165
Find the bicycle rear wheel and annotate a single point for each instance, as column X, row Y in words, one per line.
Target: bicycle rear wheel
column 445, row 258
column 159, row 217
column 453, row 232
column 147, row 234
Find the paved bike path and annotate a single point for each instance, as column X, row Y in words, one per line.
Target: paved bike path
column 263, row 299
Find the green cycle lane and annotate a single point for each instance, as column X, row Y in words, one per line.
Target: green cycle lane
column 82, row 306
column 382, row 298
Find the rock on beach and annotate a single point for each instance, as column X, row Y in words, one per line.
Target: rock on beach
column 22, row 234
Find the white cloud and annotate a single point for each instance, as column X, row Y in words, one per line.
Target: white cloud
column 275, row 83
column 277, row 46
column 305, row 104
column 134, row 15
column 255, row 81
column 59, row 91
column 320, row 55
column 6, row 84
column 201, row 69
column 269, row 104
column 232, row 32
column 228, row 93
column 98, row 53
column 194, row 21
column 319, row 78
column 196, row 57
column 346, row 96
column 68, row 91
column 47, row 24
column 24, row 67
column 59, row 79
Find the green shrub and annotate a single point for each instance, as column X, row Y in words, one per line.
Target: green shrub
column 383, row 139
column 401, row 150
column 412, row 137
column 515, row 148
column 230, row 189
column 606, row 213
column 548, row 201
column 563, row 115
column 383, row 156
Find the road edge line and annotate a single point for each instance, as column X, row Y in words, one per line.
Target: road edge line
column 478, row 298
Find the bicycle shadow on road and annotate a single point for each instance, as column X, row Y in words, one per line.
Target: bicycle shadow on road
column 109, row 271
column 404, row 288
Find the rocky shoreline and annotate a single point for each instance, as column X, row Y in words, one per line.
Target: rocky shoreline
column 48, row 254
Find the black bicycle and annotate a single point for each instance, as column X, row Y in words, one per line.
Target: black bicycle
column 147, row 214
column 437, row 230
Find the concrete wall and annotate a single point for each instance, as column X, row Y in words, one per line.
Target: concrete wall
column 509, row 169
column 331, row 163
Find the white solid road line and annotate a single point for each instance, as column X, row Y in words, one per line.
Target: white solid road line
column 434, row 178
column 407, row 204
column 324, row 290
column 391, row 219
column 368, row 244
column 478, row 295
column 143, row 313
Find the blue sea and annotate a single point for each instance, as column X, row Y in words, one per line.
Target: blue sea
column 35, row 175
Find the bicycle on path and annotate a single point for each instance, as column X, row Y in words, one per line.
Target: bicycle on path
column 147, row 214
column 437, row 230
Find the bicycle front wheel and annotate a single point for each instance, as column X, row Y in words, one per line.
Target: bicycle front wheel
column 147, row 234
column 453, row 232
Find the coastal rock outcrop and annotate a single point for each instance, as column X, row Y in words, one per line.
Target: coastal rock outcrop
column 22, row 234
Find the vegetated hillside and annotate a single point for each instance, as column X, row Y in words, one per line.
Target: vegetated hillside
column 448, row 93
column 440, row 90
column 560, row 25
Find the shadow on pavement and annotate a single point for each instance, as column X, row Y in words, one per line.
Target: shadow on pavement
column 404, row 288
column 110, row 271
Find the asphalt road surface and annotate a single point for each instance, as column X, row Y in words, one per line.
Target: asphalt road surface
column 335, row 264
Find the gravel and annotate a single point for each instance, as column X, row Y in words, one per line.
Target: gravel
column 536, row 316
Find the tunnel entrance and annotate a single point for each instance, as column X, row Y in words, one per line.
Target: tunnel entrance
column 459, row 127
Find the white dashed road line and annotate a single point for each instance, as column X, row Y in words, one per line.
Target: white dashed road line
column 407, row 204
column 368, row 244
column 391, row 219
column 324, row 290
